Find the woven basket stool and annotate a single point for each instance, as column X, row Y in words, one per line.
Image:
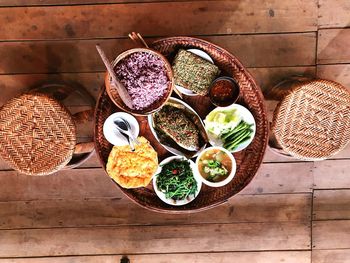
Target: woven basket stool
column 37, row 134
column 312, row 122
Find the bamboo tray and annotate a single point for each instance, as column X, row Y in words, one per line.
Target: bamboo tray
column 248, row 160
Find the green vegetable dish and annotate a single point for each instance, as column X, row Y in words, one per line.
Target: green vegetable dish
column 234, row 137
column 176, row 180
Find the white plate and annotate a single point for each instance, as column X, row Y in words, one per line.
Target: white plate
column 199, row 53
column 112, row 134
column 161, row 195
column 246, row 116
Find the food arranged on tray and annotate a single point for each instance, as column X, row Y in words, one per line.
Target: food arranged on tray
column 131, row 169
column 178, row 128
column 216, row 166
column 194, row 72
column 177, row 180
column 223, row 92
column 146, row 75
column 232, row 127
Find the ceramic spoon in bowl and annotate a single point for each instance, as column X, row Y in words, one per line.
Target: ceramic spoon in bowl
column 123, row 93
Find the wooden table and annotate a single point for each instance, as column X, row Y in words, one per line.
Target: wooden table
column 292, row 211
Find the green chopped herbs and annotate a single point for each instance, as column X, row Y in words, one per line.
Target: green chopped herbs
column 234, row 137
column 193, row 72
column 176, row 180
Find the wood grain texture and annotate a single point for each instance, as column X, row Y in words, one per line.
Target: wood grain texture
column 331, row 234
column 332, row 46
column 19, row 3
column 68, row 184
column 224, row 257
column 13, row 85
column 331, row 204
column 281, row 178
column 94, row 183
column 331, row 174
column 116, row 212
column 81, row 55
column 155, row 239
column 339, row 73
column 158, row 19
column 333, row 13
column 267, row 78
column 331, row 256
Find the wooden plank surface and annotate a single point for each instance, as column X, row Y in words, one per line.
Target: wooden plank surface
column 331, row 256
column 339, row 73
column 331, row 204
column 13, row 85
column 268, row 77
column 94, row 183
column 69, row 184
column 18, row 3
column 158, row 19
column 331, row 174
column 224, row 257
column 81, row 55
column 282, row 178
column 116, row 212
column 331, row 234
column 155, row 239
column 332, row 46
column 333, row 13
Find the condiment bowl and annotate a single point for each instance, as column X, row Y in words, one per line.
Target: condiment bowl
column 230, row 175
column 113, row 93
column 225, row 95
column 170, row 201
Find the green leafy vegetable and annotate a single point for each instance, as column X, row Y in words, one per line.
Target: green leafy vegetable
column 221, row 121
column 176, row 180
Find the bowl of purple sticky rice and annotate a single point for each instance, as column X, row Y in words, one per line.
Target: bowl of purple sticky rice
column 148, row 78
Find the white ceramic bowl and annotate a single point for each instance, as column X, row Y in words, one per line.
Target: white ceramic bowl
column 229, row 177
column 246, row 116
column 112, row 134
column 199, row 53
column 170, row 201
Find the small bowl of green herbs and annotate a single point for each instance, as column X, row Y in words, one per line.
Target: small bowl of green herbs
column 176, row 181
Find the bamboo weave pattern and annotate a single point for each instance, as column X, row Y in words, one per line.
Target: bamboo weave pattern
column 37, row 134
column 313, row 121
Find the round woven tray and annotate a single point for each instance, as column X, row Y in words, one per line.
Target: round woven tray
column 37, row 134
column 312, row 122
column 248, row 160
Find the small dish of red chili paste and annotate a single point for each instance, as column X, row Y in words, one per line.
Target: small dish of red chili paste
column 224, row 91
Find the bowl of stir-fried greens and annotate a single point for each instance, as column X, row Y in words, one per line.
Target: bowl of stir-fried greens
column 176, row 181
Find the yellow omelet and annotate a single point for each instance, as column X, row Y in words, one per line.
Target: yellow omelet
column 132, row 169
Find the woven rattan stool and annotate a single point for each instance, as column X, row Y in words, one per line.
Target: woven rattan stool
column 312, row 122
column 37, row 134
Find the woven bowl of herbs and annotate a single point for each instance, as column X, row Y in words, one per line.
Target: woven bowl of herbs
column 176, row 182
